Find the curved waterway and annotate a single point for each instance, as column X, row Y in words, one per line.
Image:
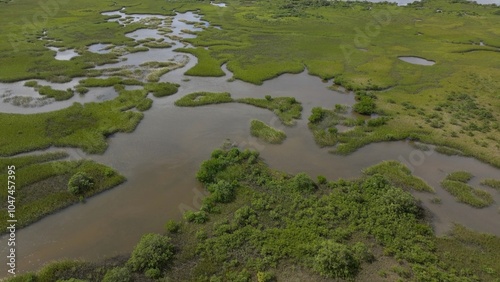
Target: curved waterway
column 161, row 157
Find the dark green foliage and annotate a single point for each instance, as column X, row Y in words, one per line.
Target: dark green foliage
column 288, row 109
column 266, row 132
column 222, row 191
column 365, row 106
column 118, row 274
column 153, row 273
column 462, row 176
column 172, row 226
column 196, row 217
column 301, row 182
column 493, row 183
column 317, row 115
column 161, row 89
column 80, row 183
column 321, row 179
column 336, row 261
column 152, row 251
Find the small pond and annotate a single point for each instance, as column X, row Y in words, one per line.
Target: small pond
column 417, row 61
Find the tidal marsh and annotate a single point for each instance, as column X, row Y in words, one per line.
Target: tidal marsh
column 266, row 132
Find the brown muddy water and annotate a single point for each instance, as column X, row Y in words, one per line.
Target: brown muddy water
column 161, row 157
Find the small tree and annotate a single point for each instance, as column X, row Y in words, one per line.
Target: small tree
column 154, row 251
column 80, row 183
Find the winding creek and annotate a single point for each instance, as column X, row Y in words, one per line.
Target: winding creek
column 161, row 157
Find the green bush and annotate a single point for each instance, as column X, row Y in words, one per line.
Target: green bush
column 321, row 179
column 366, row 106
column 222, row 191
column 462, row 176
column 196, row 217
column 317, row 115
column 302, row 182
column 153, row 251
column 80, row 183
column 153, row 273
column 172, row 226
column 117, row 274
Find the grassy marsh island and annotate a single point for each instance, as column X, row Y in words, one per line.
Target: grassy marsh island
column 456, row 184
column 266, row 132
column 42, row 187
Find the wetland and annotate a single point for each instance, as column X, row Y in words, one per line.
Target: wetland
column 170, row 85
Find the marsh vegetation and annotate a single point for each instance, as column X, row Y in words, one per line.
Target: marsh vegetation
column 289, row 225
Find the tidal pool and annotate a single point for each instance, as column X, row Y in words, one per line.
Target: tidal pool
column 417, row 61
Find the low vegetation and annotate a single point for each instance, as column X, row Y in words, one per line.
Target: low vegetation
column 322, row 123
column 161, row 89
column 203, row 98
column 493, row 183
column 461, row 176
column 399, row 175
column 258, row 223
column 456, row 184
column 286, row 108
column 266, row 132
column 46, row 183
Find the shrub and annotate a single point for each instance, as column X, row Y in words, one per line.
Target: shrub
column 321, row 179
column 317, row 115
column 153, row 251
column 265, row 276
column 196, row 217
column 335, row 260
column 366, row 106
column 377, row 121
column 222, row 191
column 80, row 183
column 302, row 182
column 117, row 274
column 153, row 273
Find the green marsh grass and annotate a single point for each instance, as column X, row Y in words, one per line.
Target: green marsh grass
column 286, row 108
column 58, row 95
column 203, row 98
column 41, row 184
column 468, row 195
column 493, row 183
column 399, row 175
column 266, row 132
